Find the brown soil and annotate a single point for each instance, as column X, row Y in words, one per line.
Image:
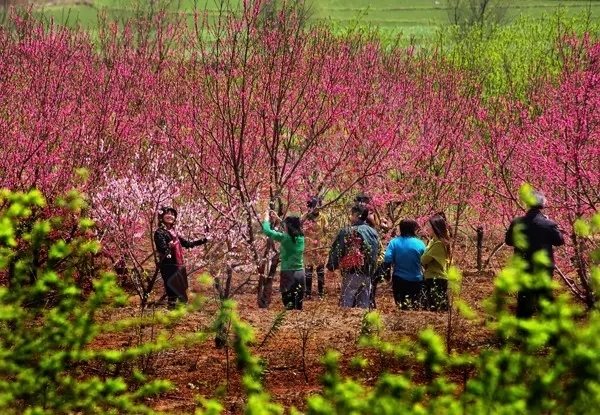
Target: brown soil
column 203, row 370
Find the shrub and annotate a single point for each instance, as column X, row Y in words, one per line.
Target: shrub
column 547, row 364
column 44, row 350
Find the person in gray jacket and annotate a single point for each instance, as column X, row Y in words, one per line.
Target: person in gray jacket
column 354, row 252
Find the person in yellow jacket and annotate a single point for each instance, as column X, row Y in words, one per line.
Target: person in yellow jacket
column 435, row 260
column 315, row 226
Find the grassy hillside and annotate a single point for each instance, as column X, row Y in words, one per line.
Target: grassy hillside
column 416, row 17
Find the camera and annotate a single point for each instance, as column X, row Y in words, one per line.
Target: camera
column 313, row 202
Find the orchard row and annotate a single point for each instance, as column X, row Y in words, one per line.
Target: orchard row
column 239, row 113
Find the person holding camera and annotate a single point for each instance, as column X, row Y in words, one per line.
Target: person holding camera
column 315, row 226
column 292, row 278
column 169, row 246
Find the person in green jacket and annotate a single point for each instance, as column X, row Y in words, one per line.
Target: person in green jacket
column 435, row 261
column 292, row 278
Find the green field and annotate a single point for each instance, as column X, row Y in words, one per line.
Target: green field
column 416, row 17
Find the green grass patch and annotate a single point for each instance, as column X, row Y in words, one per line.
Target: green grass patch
column 418, row 18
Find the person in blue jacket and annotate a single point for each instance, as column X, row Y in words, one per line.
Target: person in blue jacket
column 403, row 256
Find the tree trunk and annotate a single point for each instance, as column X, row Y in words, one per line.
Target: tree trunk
column 479, row 248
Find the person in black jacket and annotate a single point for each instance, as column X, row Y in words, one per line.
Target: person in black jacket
column 169, row 246
column 540, row 234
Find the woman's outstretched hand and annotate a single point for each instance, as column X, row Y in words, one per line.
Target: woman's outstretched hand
column 273, row 217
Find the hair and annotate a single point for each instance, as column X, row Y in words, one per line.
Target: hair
column 361, row 211
column 408, row 227
column 294, row 227
column 441, row 230
column 368, row 218
column 539, row 200
column 365, row 214
column 362, row 199
column 163, row 210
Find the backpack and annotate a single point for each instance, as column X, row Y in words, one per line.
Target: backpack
column 354, row 258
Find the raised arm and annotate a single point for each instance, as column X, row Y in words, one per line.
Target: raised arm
column 190, row 244
column 271, row 233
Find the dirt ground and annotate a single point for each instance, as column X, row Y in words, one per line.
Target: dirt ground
column 203, row 370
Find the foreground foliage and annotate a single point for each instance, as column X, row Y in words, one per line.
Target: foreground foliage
column 545, row 364
column 47, row 325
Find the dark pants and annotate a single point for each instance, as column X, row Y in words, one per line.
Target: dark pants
column 528, row 301
column 436, row 294
column 292, row 289
column 309, row 271
column 408, row 295
column 175, row 281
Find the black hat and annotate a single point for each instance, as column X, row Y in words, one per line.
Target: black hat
column 165, row 209
column 362, row 198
